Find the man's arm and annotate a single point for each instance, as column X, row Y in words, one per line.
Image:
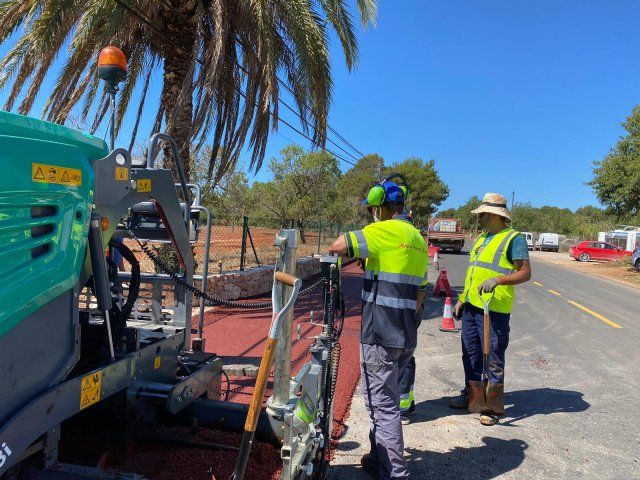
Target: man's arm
column 520, row 252
column 339, row 246
column 521, row 275
column 421, row 294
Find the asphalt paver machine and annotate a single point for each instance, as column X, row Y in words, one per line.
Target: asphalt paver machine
column 90, row 353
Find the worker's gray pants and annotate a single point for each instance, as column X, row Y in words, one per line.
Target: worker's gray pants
column 380, row 370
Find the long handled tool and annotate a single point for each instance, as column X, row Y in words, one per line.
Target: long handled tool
column 478, row 390
column 266, row 362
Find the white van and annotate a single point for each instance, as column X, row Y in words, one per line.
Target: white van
column 548, row 241
column 528, row 236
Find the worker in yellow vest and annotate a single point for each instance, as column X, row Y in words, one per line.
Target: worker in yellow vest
column 499, row 260
column 395, row 280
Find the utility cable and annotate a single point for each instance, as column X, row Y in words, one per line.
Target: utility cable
column 284, row 85
column 169, row 39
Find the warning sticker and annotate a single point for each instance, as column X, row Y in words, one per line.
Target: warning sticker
column 144, row 185
column 91, row 389
column 42, row 173
column 156, row 362
column 122, row 173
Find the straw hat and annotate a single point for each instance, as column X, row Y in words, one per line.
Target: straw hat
column 494, row 203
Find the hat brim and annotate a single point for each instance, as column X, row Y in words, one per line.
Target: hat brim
column 503, row 212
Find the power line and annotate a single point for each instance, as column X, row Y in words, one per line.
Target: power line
column 286, row 87
column 142, row 17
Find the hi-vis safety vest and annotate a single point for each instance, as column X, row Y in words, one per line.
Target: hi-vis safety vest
column 491, row 262
column 396, row 269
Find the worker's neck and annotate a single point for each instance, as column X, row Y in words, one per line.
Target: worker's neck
column 497, row 227
column 386, row 214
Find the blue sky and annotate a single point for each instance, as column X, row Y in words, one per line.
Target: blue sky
column 504, row 95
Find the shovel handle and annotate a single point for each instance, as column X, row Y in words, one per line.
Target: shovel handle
column 487, row 323
column 285, row 278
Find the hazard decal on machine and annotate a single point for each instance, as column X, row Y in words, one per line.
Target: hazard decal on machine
column 42, row 173
column 122, row 173
column 144, row 185
column 91, row 388
column 157, row 362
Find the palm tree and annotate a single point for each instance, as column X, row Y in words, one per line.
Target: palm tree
column 219, row 61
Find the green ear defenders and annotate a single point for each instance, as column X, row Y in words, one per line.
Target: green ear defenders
column 388, row 191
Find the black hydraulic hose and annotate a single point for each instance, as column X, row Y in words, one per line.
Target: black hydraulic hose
column 134, row 283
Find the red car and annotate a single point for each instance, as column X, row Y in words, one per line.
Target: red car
column 585, row 251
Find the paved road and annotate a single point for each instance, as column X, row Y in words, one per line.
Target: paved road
column 572, row 385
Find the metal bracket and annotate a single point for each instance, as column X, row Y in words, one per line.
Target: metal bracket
column 113, row 177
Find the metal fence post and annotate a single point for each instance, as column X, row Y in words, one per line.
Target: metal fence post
column 282, row 369
column 319, row 236
column 243, row 248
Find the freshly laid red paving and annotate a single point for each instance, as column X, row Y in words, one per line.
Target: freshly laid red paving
column 243, row 333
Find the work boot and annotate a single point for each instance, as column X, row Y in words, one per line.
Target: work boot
column 405, row 415
column 370, row 466
column 460, row 402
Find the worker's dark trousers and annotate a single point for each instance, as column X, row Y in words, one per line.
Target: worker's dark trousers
column 408, row 375
column 381, row 367
column 405, row 384
column 473, row 339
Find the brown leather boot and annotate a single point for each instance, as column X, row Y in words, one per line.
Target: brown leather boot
column 495, row 399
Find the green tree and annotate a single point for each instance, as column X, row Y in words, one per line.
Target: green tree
column 616, row 180
column 204, row 51
column 353, row 187
column 304, row 188
column 427, row 190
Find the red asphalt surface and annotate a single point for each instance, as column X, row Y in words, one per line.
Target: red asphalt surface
column 229, row 332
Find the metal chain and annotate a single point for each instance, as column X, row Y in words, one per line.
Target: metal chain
column 210, row 298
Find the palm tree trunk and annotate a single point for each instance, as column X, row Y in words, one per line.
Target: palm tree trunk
column 177, row 63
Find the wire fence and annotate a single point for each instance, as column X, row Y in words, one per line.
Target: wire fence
column 248, row 242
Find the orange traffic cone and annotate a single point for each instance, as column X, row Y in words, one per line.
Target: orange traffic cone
column 436, row 260
column 442, row 285
column 448, row 325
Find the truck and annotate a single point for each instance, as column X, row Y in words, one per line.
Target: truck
column 446, row 233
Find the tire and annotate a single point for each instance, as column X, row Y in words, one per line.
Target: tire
column 637, row 264
column 584, row 257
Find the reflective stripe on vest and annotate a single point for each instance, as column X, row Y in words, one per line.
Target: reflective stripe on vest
column 491, row 262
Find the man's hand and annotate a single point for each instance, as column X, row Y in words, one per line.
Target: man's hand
column 339, row 246
column 457, row 310
column 488, row 286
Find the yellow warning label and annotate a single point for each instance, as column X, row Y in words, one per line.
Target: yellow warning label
column 144, row 185
column 122, row 173
column 91, row 389
column 54, row 174
column 156, row 362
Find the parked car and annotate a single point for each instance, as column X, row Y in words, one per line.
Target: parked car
column 635, row 258
column 589, row 250
column 548, row 241
column 528, row 236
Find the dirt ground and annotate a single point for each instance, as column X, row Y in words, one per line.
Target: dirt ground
column 619, row 271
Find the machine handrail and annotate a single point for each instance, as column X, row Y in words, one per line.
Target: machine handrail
column 155, row 138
